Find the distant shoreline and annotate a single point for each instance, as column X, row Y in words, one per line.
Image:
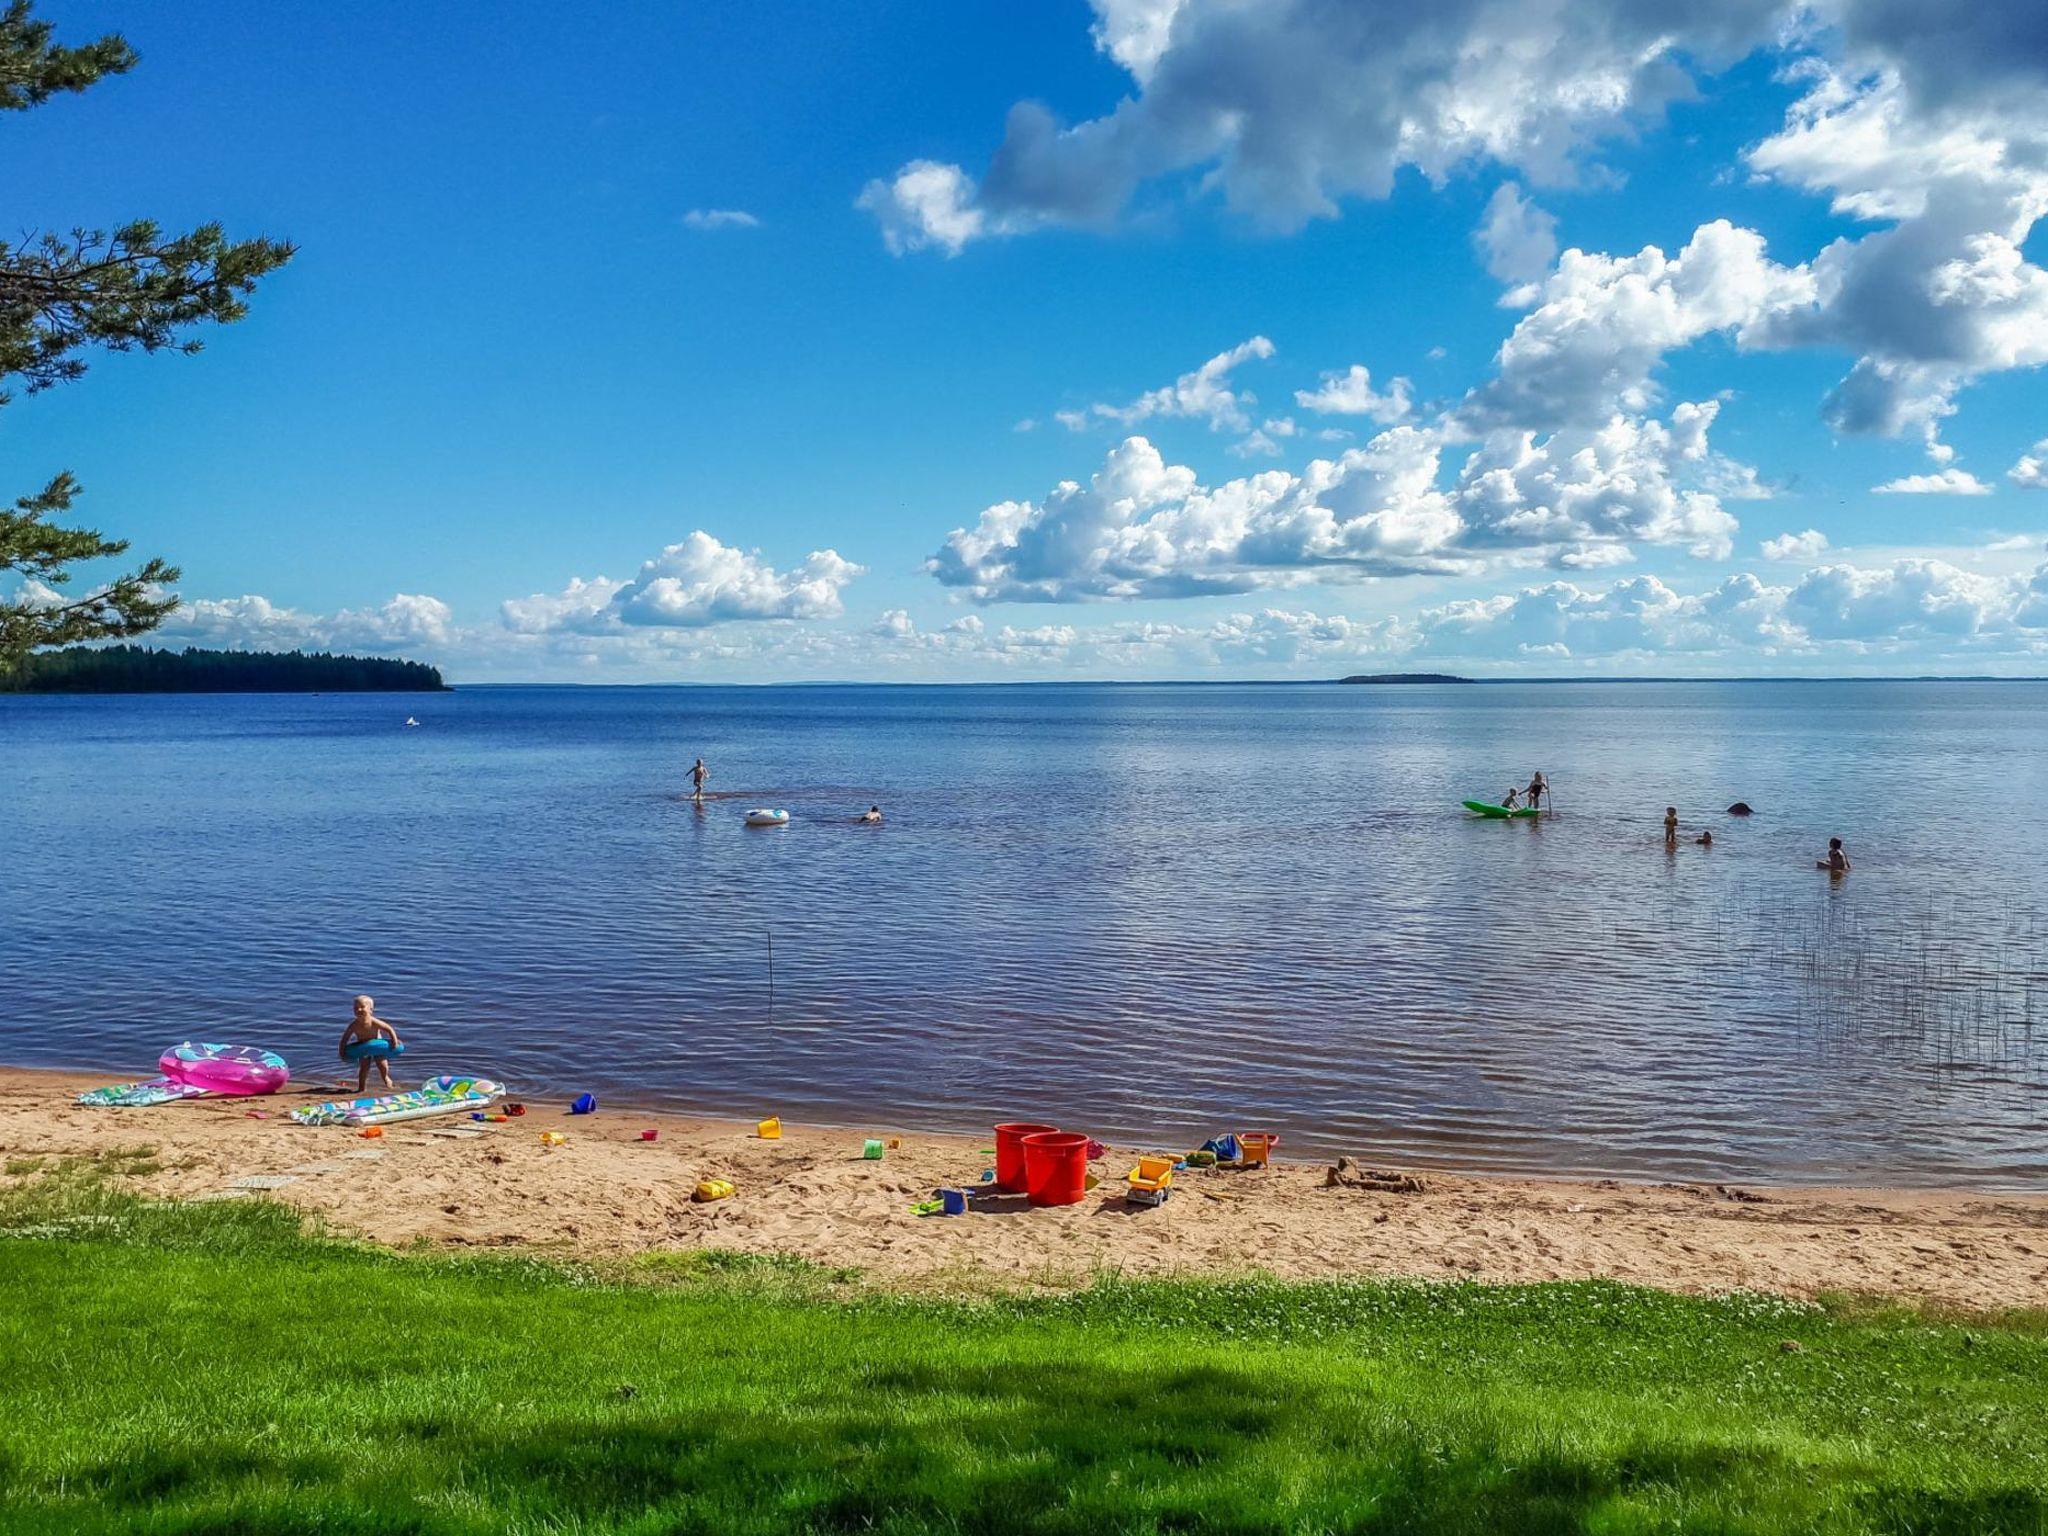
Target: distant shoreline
column 1250, row 682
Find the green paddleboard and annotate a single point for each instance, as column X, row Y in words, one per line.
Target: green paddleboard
column 1498, row 812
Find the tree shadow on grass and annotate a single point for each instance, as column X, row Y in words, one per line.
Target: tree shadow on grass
column 1071, row 1448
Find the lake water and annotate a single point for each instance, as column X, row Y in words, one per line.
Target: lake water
column 1152, row 912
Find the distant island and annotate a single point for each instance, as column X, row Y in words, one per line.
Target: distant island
column 138, row 669
column 1404, row 677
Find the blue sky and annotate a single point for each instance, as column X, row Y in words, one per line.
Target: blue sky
column 508, row 356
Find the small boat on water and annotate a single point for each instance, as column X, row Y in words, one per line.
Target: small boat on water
column 767, row 818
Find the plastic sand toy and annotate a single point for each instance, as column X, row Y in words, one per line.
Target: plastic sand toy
column 770, row 1129
column 1150, row 1182
column 712, row 1189
column 1255, row 1147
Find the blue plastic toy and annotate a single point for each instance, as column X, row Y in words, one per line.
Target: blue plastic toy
column 586, row 1104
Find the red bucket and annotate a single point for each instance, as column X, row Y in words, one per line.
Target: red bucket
column 1055, row 1167
column 1010, row 1154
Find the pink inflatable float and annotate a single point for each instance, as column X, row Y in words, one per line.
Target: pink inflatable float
column 236, row 1069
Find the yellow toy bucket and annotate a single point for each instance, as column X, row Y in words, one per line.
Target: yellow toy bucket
column 1255, row 1147
column 770, row 1129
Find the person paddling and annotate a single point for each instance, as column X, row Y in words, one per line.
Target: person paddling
column 1538, row 788
column 1837, row 862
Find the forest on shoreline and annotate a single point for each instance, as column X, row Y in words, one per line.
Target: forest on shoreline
column 139, row 669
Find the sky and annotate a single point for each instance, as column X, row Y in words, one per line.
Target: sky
column 1202, row 339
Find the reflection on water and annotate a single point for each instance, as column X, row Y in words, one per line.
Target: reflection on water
column 1150, row 911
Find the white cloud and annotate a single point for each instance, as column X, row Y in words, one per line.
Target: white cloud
column 1911, row 606
column 2032, row 469
column 1914, row 608
column 1795, row 546
column 1943, row 294
column 407, row 622
column 1943, row 482
column 1603, row 324
column 1517, row 238
column 1144, row 528
column 720, row 218
column 1899, row 602
column 926, row 204
column 1205, row 394
column 690, row 585
column 1288, row 106
column 1932, row 126
column 577, row 606
column 1350, row 393
column 1135, row 33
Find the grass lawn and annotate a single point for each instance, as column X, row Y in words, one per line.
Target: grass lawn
column 215, row 1369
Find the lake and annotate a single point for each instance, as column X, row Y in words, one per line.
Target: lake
column 1148, row 912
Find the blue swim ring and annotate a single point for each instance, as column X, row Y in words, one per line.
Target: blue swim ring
column 359, row 1049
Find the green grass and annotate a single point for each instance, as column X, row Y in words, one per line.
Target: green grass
column 216, row 1369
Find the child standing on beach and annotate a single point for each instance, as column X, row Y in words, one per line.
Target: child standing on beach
column 369, row 1041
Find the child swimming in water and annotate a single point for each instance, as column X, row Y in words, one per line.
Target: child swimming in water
column 364, row 1030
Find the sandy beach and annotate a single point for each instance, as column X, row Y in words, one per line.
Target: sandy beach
column 607, row 1192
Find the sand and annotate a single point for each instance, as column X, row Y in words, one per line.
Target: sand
column 608, row 1193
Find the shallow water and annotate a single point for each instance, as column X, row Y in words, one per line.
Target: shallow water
column 1145, row 911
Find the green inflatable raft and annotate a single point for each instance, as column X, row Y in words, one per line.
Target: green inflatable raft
column 1498, row 812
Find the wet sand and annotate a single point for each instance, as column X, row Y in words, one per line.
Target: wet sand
column 608, row 1193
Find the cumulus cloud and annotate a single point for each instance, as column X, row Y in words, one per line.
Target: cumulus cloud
column 1350, row 393
column 720, row 218
column 690, row 585
column 927, row 205
column 1911, row 605
column 1517, row 238
column 1602, row 324
column 1204, row 394
column 407, row 621
column 1289, row 106
column 1922, row 609
column 1795, row 546
column 1942, row 294
column 1931, row 127
column 2032, row 469
column 1917, row 608
column 1144, row 528
column 1943, row 482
